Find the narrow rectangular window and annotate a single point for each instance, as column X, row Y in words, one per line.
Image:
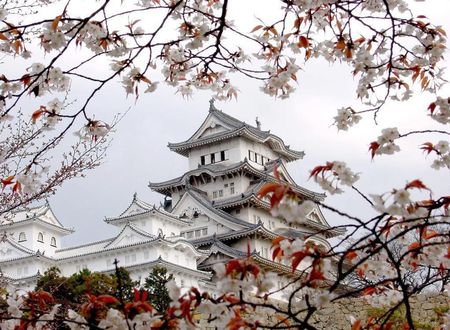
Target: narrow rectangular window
column 202, row 160
column 197, row 233
column 190, row 234
column 232, row 190
column 220, row 193
column 214, row 194
column 225, row 185
column 213, row 158
column 222, row 155
column 205, row 231
column 256, row 158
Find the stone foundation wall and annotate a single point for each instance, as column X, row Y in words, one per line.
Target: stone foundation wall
column 426, row 309
column 426, row 312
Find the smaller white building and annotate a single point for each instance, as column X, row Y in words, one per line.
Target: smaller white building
column 146, row 237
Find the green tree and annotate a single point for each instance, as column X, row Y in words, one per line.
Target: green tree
column 96, row 284
column 59, row 286
column 123, row 283
column 155, row 284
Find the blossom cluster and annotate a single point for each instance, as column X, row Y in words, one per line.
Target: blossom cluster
column 346, row 118
column 442, row 150
column 385, row 143
column 330, row 175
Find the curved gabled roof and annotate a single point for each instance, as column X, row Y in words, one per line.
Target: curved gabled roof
column 198, row 196
column 40, row 214
column 139, row 208
column 216, row 170
column 258, row 228
column 234, row 128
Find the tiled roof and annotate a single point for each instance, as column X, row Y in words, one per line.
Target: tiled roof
column 201, row 199
column 216, row 170
column 43, row 214
column 237, row 128
column 258, row 228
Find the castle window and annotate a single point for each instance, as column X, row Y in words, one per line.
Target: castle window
column 232, row 190
column 202, row 160
column 53, row 242
column 222, row 155
column 251, row 155
column 205, row 231
column 40, row 238
column 213, row 158
column 197, row 233
column 22, row 237
column 214, row 194
column 220, row 193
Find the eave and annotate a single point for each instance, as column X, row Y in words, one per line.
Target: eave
column 273, row 141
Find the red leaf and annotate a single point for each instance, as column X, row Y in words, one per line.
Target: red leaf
column 277, row 252
column 373, row 148
column 267, row 188
column 356, row 325
column 233, row 265
column 303, row 42
column 428, row 147
column 350, row 255
column 432, row 107
column 256, row 28
column 56, row 22
column 297, row 258
column 107, row 299
column 17, row 188
column 369, row 291
column 416, row 184
column 7, row 181
column 35, row 116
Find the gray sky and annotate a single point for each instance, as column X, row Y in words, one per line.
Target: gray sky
column 139, row 152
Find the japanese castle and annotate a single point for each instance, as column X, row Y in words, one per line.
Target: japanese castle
column 210, row 214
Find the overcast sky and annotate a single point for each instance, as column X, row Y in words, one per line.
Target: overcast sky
column 139, row 152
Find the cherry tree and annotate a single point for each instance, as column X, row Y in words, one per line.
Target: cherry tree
column 194, row 45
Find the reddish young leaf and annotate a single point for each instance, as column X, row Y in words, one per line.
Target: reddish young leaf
column 17, row 188
column 369, row 291
column 297, row 258
column 416, row 184
column 350, row 255
column 348, row 52
column 107, row 299
column 428, row 147
column 303, row 42
column 56, row 22
column 277, row 253
column 373, row 148
column 256, row 28
column 7, row 181
column 356, row 325
column 35, row 116
column 233, row 265
column 340, row 44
